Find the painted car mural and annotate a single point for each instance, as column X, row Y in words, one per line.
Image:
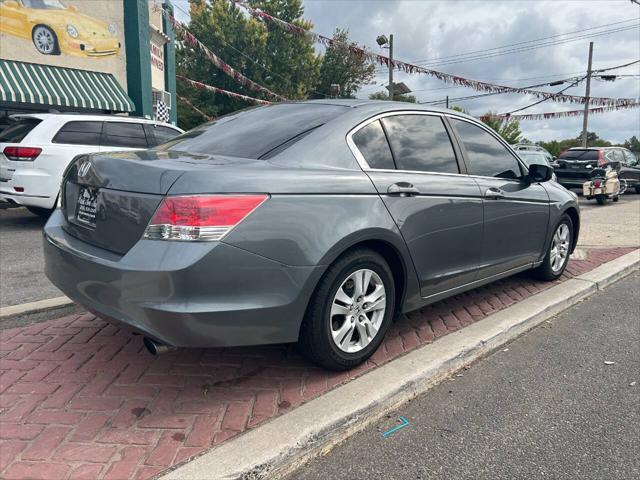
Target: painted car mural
column 55, row 28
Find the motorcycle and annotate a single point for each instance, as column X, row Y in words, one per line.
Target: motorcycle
column 604, row 184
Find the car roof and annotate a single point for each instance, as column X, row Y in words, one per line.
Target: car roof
column 88, row 116
column 595, row 148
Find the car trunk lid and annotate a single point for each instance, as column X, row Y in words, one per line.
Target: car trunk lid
column 108, row 200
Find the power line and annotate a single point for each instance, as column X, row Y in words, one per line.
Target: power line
column 536, row 40
column 524, row 49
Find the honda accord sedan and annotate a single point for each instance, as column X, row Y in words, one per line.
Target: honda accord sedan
column 311, row 222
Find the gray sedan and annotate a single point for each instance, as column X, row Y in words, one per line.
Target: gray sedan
column 311, row 222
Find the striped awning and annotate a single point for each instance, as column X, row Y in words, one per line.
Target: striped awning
column 56, row 86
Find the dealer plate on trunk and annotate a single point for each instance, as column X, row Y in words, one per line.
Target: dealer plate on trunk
column 87, row 206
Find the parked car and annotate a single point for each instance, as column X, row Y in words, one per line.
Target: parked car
column 529, row 147
column 539, row 157
column 55, row 28
column 37, row 148
column 574, row 166
column 312, row 222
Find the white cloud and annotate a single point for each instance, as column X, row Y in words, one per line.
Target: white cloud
column 432, row 29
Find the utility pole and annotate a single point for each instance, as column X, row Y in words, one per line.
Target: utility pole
column 585, row 119
column 391, row 67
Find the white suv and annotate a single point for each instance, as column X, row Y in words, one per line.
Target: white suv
column 36, row 149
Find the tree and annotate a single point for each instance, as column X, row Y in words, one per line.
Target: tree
column 456, row 108
column 338, row 66
column 509, row 129
column 556, row 147
column 285, row 63
column 632, row 144
column 396, row 97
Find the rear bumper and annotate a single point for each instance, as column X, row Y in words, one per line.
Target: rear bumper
column 571, row 180
column 206, row 294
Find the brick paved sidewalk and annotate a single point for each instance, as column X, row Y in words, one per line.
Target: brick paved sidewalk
column 82, row 399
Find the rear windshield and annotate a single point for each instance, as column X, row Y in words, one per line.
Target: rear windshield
column 255, row 133
column 16, row 131
column 580, row 155
column 531, row 158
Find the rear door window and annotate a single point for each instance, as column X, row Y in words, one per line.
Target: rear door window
column 19, row 129
column 159, row 134
column 79, row 133
column 420, row 143
column 487, row 156
column 372, row 143
column 123, row 134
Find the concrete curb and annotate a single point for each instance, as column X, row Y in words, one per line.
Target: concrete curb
column 34, row 307
column 286, row 442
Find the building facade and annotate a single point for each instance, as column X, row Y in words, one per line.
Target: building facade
column 108, row 56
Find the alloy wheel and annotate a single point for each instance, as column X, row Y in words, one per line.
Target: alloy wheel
column 560, row 247
column 357, row 310
column 43, row 40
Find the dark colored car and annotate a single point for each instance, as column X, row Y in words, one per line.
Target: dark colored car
column 574, row 166
column 312, row 222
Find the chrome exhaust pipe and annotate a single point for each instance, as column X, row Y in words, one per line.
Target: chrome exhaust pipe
column 155, row 348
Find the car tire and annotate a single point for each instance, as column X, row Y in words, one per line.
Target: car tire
column 45, row 40
column 601, row 199
column 338, row 313
column 637, row 189
column 550, row 269
column 44, row 213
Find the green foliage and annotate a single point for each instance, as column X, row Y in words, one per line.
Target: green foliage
column 556, row 147
column 509, row 129
column 459, row 109
column 284, row 63
column 396, row 97
column 632, row 144
column 348, row 71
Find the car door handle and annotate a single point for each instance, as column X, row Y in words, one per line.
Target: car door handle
column 402, row 189
column 494, row 193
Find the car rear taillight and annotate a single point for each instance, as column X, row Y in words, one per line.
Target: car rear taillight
column 597, row 183
column 200, row 217
column 601, row 161
column 22, row 154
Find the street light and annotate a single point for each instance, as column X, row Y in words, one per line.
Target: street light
column 385, row 42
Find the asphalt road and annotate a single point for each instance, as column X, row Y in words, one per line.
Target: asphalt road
column 21, row 262
column 544, row 406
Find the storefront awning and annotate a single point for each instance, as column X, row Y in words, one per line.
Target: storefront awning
column 56, row 86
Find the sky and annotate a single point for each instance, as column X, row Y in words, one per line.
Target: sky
column 425, row 31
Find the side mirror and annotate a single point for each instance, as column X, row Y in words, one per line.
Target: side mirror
column 540, row 173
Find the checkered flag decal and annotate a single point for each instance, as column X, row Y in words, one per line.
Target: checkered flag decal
column 162, row 111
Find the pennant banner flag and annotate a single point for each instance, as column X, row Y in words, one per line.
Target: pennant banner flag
column 196, row 109
column 237, row 96
column 411, row 68
column 191, row 40
column 564, row 114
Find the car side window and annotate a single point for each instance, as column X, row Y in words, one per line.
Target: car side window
column 487, row 156
column 372, row 143
column 79, row 133
column 618, row 156
column 420, row 143
column 630, row 158
column 123, row 134
column 162, row 134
